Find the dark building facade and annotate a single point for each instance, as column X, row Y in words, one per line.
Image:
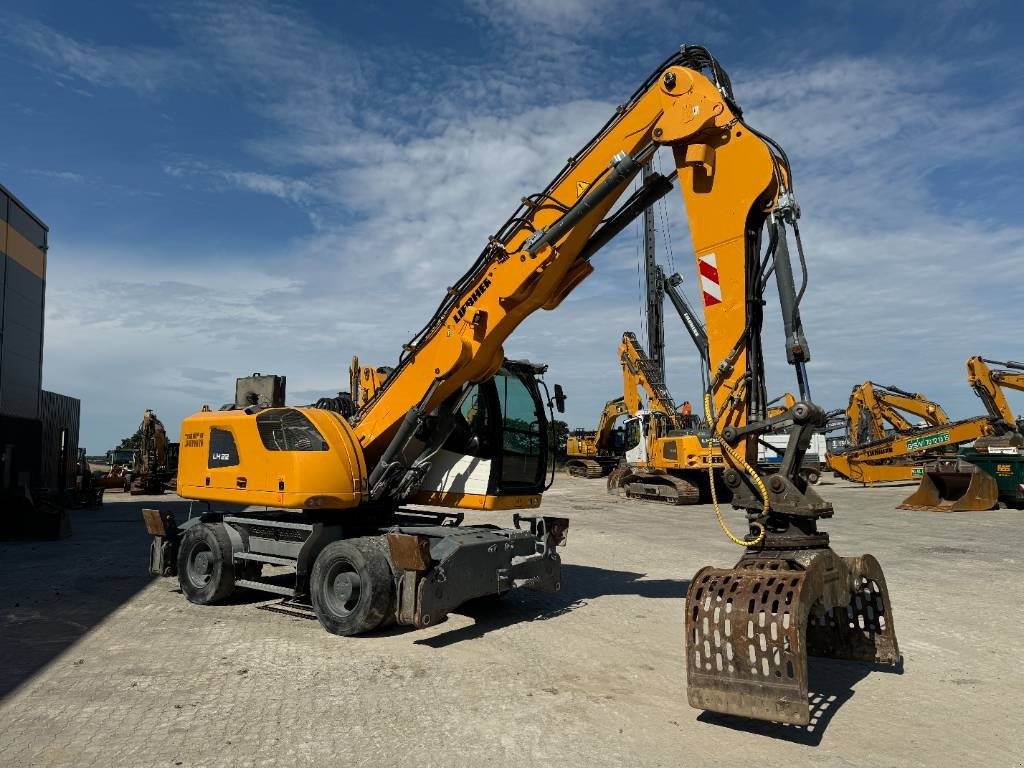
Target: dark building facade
column 38, row 430
column 22, row 303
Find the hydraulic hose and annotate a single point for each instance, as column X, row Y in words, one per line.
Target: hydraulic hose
column 746, row 468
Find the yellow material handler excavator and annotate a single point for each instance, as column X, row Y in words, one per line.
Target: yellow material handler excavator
column 979, row 476
column 595, row 453
column 455, row 425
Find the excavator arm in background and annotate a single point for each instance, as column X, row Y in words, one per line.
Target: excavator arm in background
column 151, row 472
column 613, row 410
column 691, row 321
column 981, row 475
column 737, row 185
column 872, row 406
column 988, row 384
column 896, row 400
column 901, row 455
column 788, row 400
column 639, row 373
column 365, row 380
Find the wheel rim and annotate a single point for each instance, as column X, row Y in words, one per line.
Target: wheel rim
column 200, row 564
column 343, row 589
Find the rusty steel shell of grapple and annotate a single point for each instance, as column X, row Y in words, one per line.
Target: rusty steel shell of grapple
column 750, row 629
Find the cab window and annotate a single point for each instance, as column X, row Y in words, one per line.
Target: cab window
column 523, row 441
column 633, row 434
column 223, row 451
column 285, row 429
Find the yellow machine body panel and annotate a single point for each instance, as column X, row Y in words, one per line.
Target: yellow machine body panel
column 295, row 458
column 581, row 446
column 685, row 452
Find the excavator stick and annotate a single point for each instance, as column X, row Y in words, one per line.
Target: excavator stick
column 951, row 485
column 750, row 629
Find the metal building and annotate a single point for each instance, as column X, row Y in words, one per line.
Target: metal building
column 38, row 430
column 22, row 300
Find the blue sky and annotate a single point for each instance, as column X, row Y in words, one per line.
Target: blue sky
column 276, row 187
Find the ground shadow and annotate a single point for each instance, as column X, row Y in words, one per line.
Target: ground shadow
column 580, row 584
column 831, row 685
column 53, row 592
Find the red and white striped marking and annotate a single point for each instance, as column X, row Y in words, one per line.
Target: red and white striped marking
column 709, row 282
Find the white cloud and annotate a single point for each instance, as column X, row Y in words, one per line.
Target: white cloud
column 69, row 176
column 143, row 70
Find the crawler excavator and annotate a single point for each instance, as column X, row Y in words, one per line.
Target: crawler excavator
column 153, row 469
column 990, row 470
column 665, row 461
column 595, row 453
column 456, row 425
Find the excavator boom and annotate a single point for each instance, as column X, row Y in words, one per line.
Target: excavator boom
column 873, row 406
column 639, row 373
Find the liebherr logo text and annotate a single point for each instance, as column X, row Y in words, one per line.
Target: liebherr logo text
column 474, row 297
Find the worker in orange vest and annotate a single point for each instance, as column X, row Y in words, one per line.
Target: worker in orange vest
column 686, row 415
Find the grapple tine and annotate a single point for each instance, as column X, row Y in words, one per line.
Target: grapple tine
column 749, row 629
column 745, row 653
column 862, row 630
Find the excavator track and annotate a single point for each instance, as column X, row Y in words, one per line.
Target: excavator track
column 650, row 486
column 587, row 468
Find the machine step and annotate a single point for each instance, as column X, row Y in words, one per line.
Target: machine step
column 264, row 587
column 271, row 559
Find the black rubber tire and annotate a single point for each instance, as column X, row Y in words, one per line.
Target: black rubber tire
column 206, row 572
column 351, row 586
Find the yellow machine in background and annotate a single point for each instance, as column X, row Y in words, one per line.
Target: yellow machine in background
column 665, row 462
column 458, row 426
column 595, row 453
column 155, row 466
column 989, row 384
column 956, row 483
column 873, row 406
column 788, row 401
column 365, row 380
column 911, row 453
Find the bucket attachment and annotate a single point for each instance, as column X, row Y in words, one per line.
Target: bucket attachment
column 749, row 629
column 953, row 486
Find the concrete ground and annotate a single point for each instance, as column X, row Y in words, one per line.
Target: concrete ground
column 100, row 665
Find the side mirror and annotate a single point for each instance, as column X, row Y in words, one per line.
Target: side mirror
column 559, row 398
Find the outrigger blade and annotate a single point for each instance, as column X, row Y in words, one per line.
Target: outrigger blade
column 952, row 486
column 749, row 629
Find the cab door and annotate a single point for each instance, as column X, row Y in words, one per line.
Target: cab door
column 637, row 435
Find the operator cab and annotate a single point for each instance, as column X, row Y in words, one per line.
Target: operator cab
column 498, row 453
column 640, row 429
